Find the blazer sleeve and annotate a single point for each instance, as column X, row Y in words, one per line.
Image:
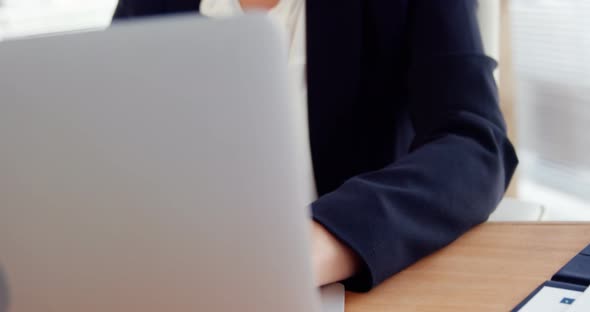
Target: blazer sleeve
column 460, row 161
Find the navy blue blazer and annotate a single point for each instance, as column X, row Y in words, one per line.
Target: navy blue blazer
column 408, row 143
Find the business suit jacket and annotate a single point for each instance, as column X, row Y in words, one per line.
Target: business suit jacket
column 408, row 143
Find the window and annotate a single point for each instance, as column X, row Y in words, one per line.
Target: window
column 551, row 46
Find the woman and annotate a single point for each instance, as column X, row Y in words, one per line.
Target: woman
column 408, row 143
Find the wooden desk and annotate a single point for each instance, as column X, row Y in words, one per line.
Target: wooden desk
column 491, row 268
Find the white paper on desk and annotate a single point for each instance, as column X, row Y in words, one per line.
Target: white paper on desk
column 549, row 299
column 582, row 303
column 332, row 298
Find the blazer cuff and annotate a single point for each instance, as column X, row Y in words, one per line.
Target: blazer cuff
column 344, row 224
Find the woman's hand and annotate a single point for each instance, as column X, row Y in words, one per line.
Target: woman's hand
column 332, row 260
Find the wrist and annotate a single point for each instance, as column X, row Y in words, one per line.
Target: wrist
column 333, row 260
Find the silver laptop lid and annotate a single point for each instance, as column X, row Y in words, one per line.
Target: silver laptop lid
column 151, row 167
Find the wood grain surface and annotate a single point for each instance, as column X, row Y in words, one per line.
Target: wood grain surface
column 491, row 268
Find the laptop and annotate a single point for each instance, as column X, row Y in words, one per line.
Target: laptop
column 154, row 166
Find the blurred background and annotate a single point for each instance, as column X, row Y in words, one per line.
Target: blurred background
column 544, row 50
column 20, row 18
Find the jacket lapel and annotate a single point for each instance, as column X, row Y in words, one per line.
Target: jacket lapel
column 334, row 41
column 182, row 6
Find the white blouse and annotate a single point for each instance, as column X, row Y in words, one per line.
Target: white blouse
column 290, row 16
